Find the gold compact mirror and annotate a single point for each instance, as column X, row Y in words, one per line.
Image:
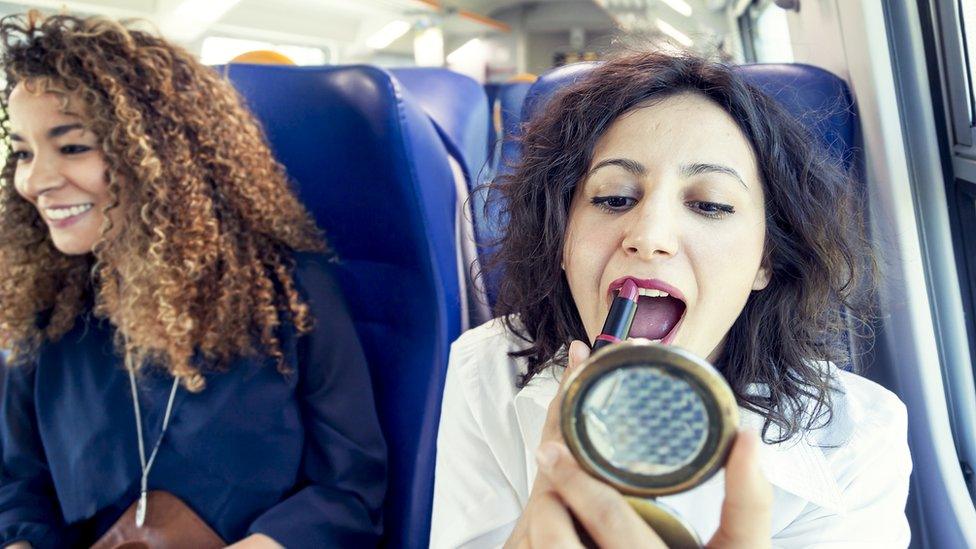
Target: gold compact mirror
column 650, row 420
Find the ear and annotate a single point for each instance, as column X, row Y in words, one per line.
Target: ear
column 763, row 275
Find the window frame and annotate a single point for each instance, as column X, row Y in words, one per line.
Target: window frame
column 956, row 76
column 952, row 74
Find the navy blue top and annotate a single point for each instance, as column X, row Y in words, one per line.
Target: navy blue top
column 297, row 457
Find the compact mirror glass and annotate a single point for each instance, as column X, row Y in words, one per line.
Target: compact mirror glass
column 644, row 421
column 649, row 419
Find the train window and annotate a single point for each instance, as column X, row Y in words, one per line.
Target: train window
column 968, row 9
column 956, row 27
column 217, row 50
column 765, row 33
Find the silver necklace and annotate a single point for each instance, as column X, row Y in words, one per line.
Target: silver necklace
column 143, row 505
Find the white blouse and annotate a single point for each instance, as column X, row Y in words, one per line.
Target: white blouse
column 844, row 485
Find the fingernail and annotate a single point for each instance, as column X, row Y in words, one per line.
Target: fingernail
column 546, row 456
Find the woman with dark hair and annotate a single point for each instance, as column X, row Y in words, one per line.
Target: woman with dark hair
column 183, row 367
column 670, row 170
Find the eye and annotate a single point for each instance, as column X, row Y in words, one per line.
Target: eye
column 20, row 156
column 613, row 204
column 714, row 210
column 74, row 149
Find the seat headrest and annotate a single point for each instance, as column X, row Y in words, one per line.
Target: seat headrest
column 819, row 99
column 459, row 108
column 511, row 99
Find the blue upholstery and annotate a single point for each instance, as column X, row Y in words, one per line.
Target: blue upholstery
column 491, row 91
column 488, row 223
column 373, row 170
column 817, row 98
column 547, row 85
column 511, row 99
column 458, row 107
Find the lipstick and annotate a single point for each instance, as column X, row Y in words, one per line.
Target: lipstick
column 620, row 317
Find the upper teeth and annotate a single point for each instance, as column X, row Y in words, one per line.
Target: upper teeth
column 643, row 339
column 64, row 213
column 652, row 293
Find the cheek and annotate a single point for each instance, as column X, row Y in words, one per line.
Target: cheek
column 94, row 178
column 20, row 185
column 589, row 247
column 726, row 263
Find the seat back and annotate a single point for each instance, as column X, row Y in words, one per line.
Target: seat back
column 373, row 170
column 817, row 98
column 823, row 103
column 458, row 106
column 488, row 220
column 491, row 91
column 511, row 98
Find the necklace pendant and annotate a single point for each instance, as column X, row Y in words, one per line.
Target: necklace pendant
column 141, row 510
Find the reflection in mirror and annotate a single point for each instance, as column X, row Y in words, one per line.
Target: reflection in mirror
column 644, row 421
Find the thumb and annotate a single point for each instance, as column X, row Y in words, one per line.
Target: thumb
column 578, row 353
column 747, row 509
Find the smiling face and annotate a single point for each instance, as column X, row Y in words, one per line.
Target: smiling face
column 673, row 200
column 60, row 169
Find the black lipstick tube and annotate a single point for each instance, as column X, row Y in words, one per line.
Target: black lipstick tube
column 620, row 318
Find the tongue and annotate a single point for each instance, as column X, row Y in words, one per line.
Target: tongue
column 656, row 316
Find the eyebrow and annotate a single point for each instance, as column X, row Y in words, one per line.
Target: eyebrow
column 56, row 131
column 698, row 168
column 631, row 166
column 686, row 170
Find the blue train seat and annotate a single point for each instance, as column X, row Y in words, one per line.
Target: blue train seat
column 491, row 91
column 373, row 170
column 458, row 108
column 819, row 99
column 511, row 97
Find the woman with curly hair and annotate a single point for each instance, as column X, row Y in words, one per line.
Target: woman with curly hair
column 670, row 171
column 173, row 323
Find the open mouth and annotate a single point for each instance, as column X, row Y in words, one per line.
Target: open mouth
column 660, row 309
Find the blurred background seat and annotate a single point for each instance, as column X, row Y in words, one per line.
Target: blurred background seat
column 458, row 108
column 373, row 170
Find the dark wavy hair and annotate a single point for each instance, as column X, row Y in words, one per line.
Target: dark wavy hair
column 208, row 219
column 823, row 271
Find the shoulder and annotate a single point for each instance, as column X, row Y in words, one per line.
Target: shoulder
column 865, row 445
column 493, row 336
column 316, row 277
column 485, row 351
column 480, row 364
column 312, row 268
column 863, row 413
column 870, row 421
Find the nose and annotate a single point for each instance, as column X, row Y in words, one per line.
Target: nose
column 652, row 230
column 40, row 175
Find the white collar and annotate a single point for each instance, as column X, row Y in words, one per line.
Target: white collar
column 795, row 466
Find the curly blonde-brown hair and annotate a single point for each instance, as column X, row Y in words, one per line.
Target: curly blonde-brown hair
column 207, row 220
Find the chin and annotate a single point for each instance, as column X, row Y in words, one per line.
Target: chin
column 73, row 248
